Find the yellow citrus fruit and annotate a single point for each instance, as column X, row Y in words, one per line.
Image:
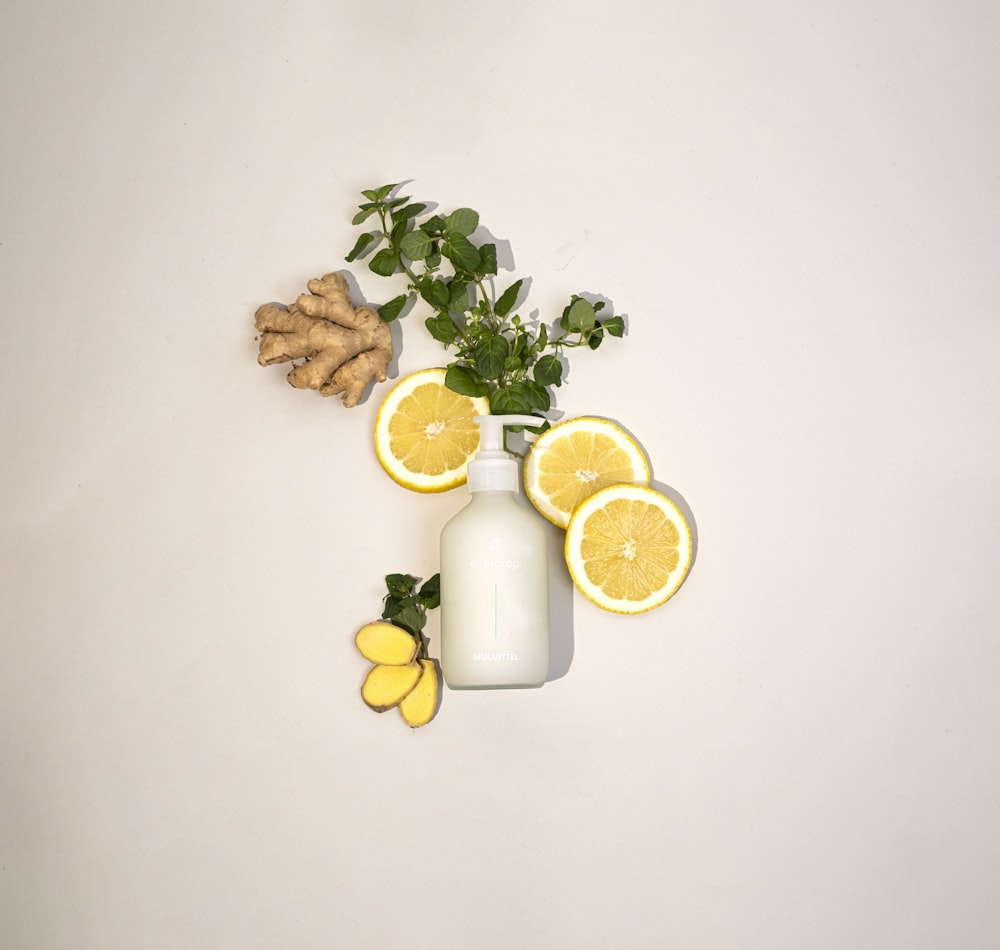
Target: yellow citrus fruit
column 576, row 458
column 628, row 548
column 425, row 434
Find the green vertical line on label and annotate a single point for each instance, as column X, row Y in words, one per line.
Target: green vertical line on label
column 494, row 611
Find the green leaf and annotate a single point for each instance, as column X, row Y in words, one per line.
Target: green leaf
column 385, row 262
column 488, row 259
column 465, row 381
column 548, row 371
column 490, row 356
column 400, row 585
column 367, row 210
column 536, row 395
column 389, row 311
column 510, row 400
column 462, row 221
column 430, row 593
column 398, row 230
column 615, row 326
column 458, row 296
column 542, row 340
column 579, row 316
column 435, row 292
column 396, row 202
column 512, row 364
column 410, row 211
column 416, row 245
column 461, row 252
column 382, row 193
column 507, row 299
column 371, row 194
column 595, row 337
column 433, row 225
column 442, row 328
column 363, row 243
column 409, row 616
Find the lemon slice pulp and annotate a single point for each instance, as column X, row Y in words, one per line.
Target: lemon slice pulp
column 576, row 458
column 425, row 433
column 628, row 548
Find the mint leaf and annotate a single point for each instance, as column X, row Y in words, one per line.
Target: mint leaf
column 389, row 311
column 615, row 326
column 442, row 328
column 488, row 259
column 580, row 316
column 430, row 592
column 462, row 221
column 385, row 262
column 435, row 293
column 548, row 370
column 416, row 245
column 507, row 299
column 461, row 252
column 363, row 243
column 410, row 211
column 490, row 356
column 465, row 381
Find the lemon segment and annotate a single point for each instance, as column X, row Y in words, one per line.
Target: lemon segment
column 628, row 548
column 576, row 458
column 425, row 434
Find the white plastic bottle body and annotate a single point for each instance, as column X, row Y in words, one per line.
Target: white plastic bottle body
column 494, row 595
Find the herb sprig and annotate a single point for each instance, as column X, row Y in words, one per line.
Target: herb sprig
column 406, row 604
column 497, row 353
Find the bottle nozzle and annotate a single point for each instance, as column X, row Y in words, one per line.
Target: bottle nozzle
column 493, row 469
column 491, row 431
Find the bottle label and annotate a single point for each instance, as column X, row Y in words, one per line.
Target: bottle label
column 506, row 564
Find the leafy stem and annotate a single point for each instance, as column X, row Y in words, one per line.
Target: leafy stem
column 406, row 605
column 514, row 363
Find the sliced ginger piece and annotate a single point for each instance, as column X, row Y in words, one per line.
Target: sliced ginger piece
column 419, row 705
column 386, row 686
column 386, row 644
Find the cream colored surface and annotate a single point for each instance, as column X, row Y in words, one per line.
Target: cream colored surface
column 796, row 206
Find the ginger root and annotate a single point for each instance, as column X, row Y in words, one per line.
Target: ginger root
column 343, row 347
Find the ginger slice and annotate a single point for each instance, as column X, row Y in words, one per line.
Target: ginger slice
column 386, row 686
column 386, row 644
column 343, row 348
column 419, row 705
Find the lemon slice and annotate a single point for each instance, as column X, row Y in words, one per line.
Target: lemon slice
column 628, row 548
column 425, row 434
column 576, row 458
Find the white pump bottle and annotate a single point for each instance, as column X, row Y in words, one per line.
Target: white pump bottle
column 494, row 576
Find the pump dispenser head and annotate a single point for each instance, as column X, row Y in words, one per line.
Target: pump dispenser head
column 493, row 469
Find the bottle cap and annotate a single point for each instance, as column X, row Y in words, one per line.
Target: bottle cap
column 492, row 468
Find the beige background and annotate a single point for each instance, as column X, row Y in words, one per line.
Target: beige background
column 795, row 205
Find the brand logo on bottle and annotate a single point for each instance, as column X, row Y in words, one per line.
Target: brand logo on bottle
column 494, row 657
column 502, row 563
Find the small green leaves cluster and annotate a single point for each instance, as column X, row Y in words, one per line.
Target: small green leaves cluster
column 406, row 605
column 497, row 354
